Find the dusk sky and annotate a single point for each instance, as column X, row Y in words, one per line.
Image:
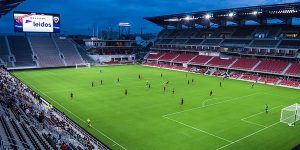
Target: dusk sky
column 79, row 15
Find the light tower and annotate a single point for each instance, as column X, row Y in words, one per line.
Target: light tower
column 124, row 29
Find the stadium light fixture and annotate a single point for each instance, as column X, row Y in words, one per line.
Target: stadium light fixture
column 187, row 18
column 124, row 24
column 255, row 12
column 231, row 14
column 207, row 16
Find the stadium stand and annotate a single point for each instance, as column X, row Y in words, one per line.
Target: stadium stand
column 165, row 41
column 221, row 62
column 294, row 69
column 294, row 44
column 243, row 32
column 155, row 56
column 250, row 77
column 178, row 41
column 46, row 51
column 245, row 63
column 235, row 75
column 27, row 122
column 69, row 50
column 236, row 42
column 84, row 55
column 272, row 66
column 247, row 48
column 22, row 51
column 4, row 52
column 168, row 57
column 212, row 41
column 268, row 80
column 290, row 83
column 184, row 58
column 200, row 60
column 264, row 43
column 194, row 41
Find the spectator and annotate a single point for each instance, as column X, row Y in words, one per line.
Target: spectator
column 64, row 146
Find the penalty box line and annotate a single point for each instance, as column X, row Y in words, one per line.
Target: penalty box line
column 77, row 116
column 267, row 127
column 200, row 107
column 199, row 130
column 250, row 122
column 244, row 119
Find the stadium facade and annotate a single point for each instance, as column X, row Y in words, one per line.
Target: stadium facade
column 241, row 43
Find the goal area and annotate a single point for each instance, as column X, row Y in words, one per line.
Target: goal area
column 83, row 65
column 290, row 115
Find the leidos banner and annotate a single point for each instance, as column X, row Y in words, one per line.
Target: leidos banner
column 36, row 22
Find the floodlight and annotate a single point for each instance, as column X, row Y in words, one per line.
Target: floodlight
column 255, row 12
column 187, row 18
column 207, row 16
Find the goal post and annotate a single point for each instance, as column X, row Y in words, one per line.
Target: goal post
column 290, row 115
column 83, row 65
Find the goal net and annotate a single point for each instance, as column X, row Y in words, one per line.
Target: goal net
column 83, row 65
column 290, row 115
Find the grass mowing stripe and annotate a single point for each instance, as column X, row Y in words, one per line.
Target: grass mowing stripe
column 136, row 121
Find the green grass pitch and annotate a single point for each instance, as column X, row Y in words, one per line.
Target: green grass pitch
column 151, row 119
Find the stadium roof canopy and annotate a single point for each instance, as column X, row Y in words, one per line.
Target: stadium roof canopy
column 7, row 5
column 260, row 14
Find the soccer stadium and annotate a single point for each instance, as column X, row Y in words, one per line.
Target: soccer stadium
column 212, row 79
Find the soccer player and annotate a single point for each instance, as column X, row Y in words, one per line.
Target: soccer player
column 161, row 75
column 147, row 82
column 186, row 75
column 118, row 80
column 149, row 86
column 101, row 82
column 182, row 101
column 167, row 82
column 211, row 93
column 126, row 92
column 92, row 83
column 188, row 82
column 164, row 89
column 173, row 91
column 267, row 109
column 89, row 123
column 253, row 85
column 71, row 95
column 139, row 76
column 100, row 71
column 192, row 80
column 220, row 84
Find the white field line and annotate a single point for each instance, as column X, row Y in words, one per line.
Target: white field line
column 75, row 115
column 253, row 123
column 248, row 135
column 199, row 130
column 260, row 113
column 203, row 103
column 247, row 121
column 200, row 107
